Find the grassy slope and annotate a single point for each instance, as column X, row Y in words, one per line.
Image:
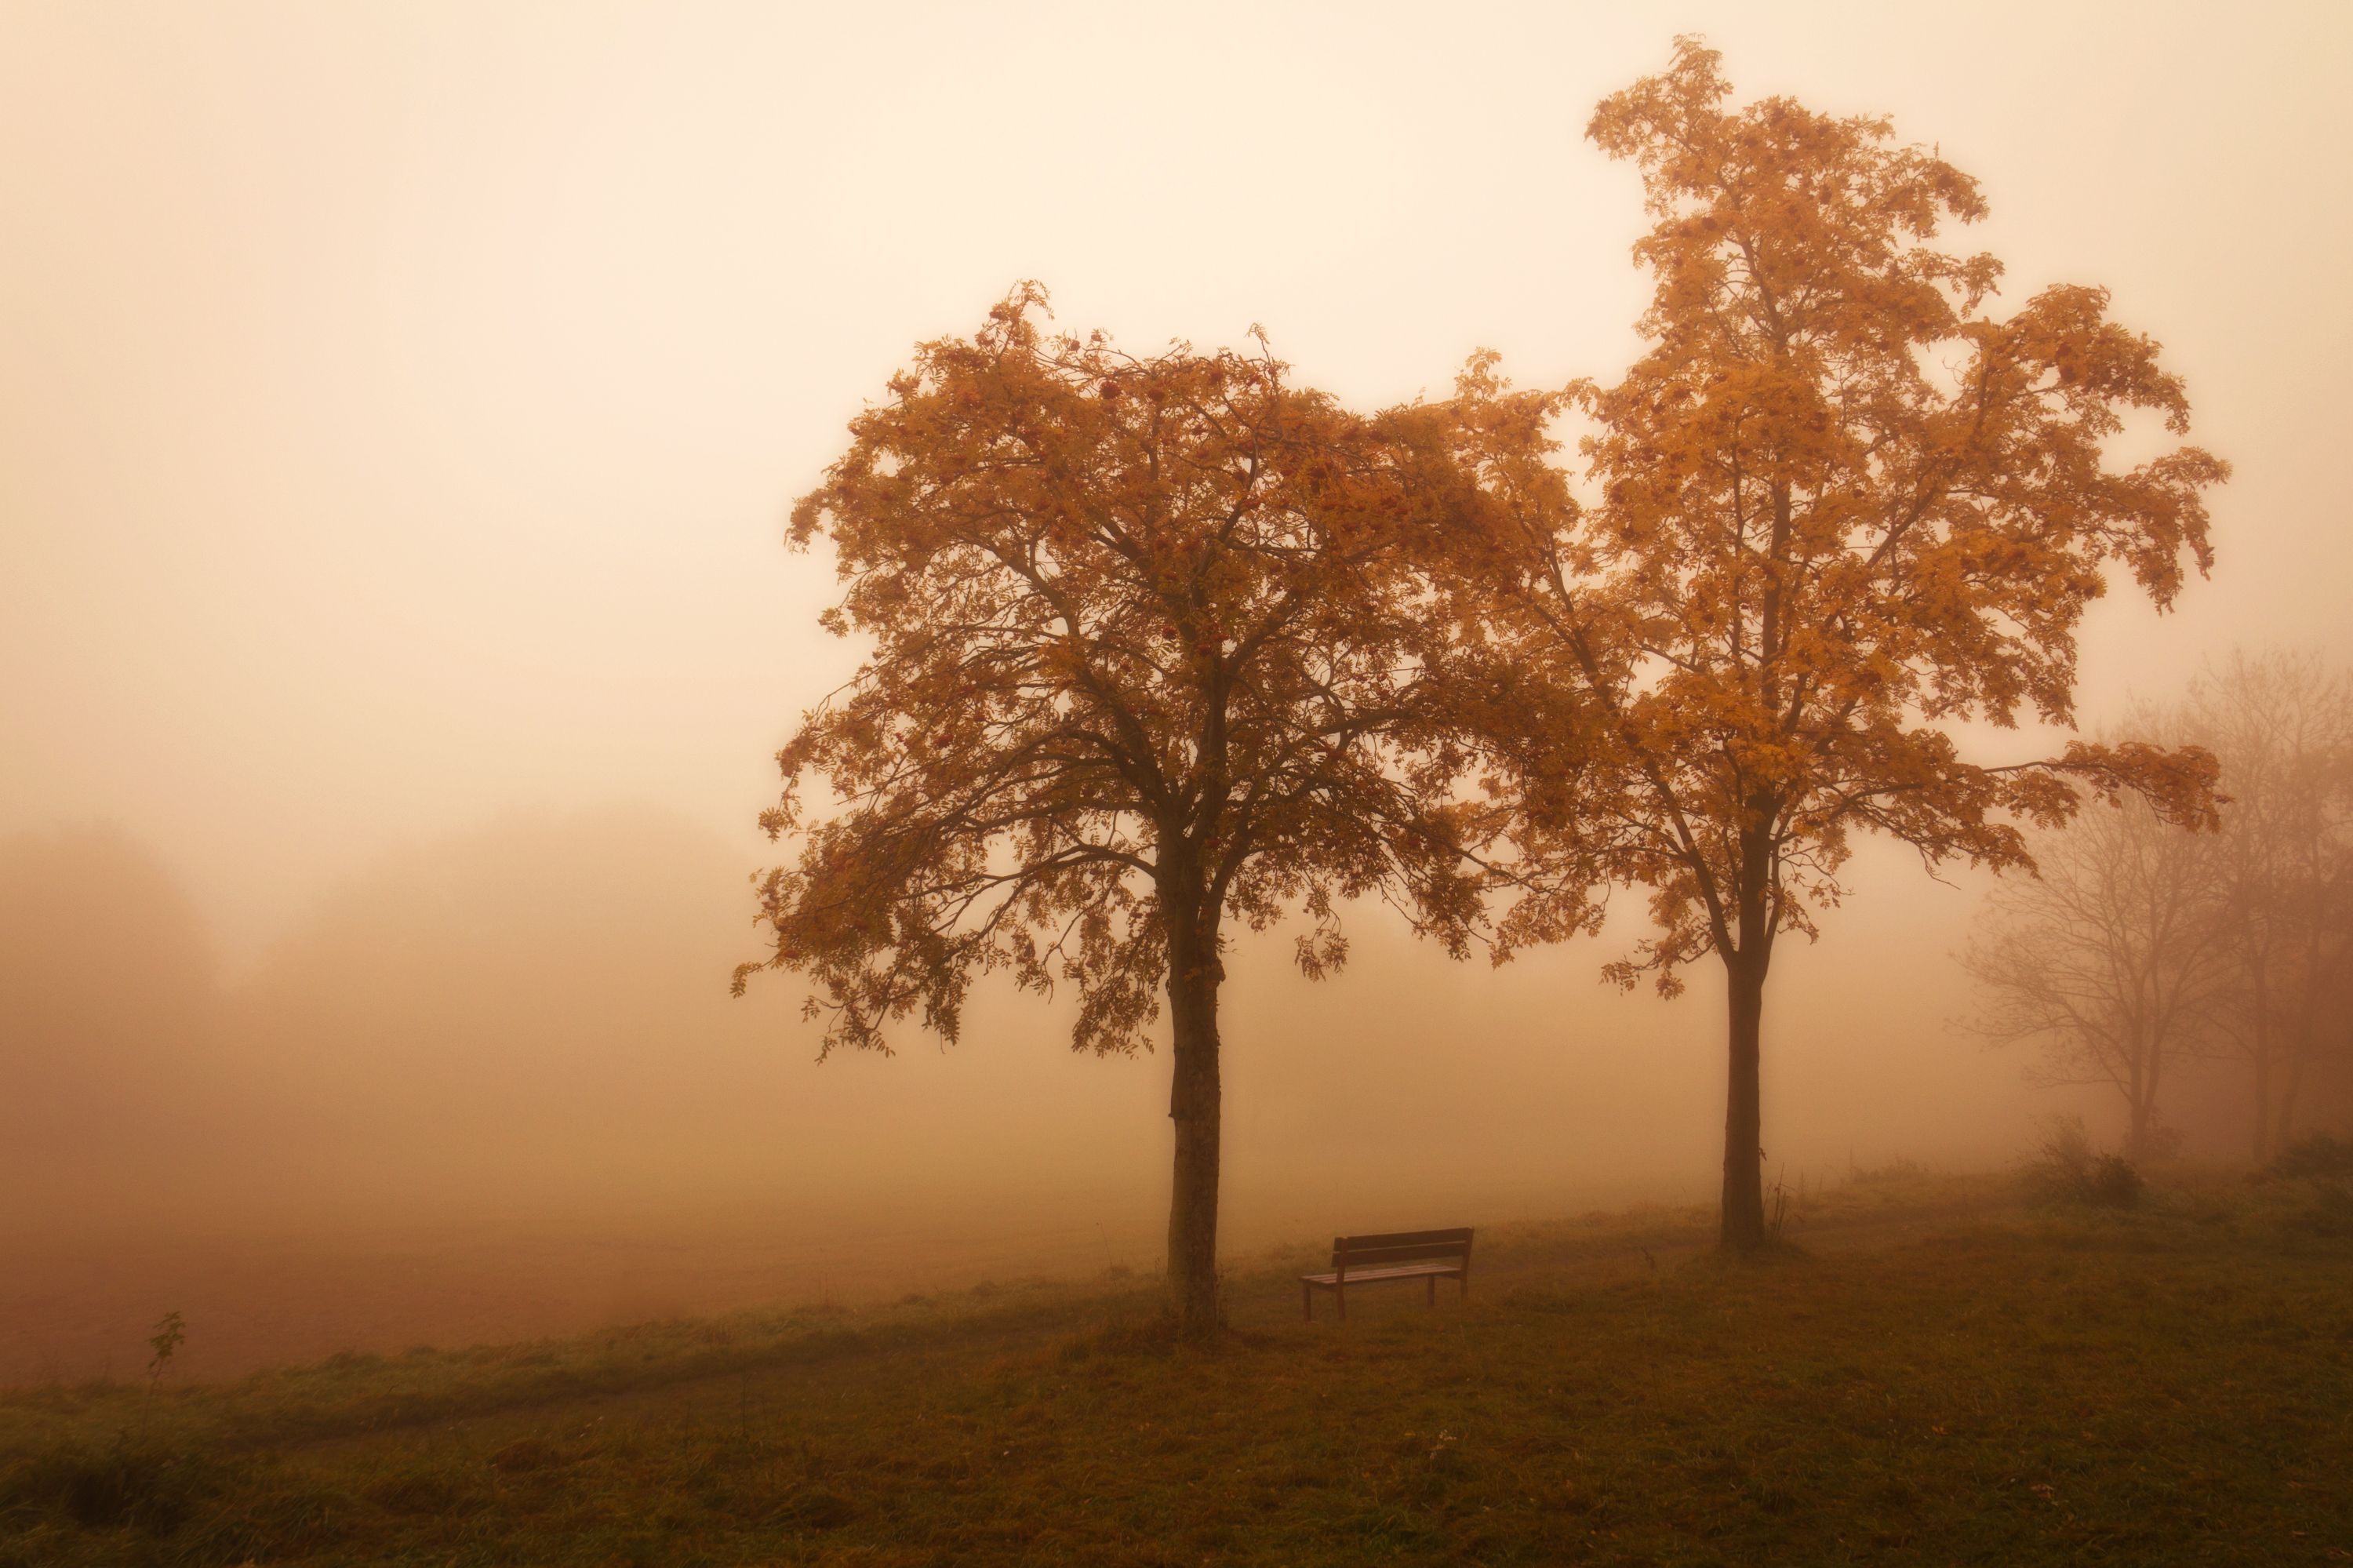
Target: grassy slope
column 1947, row 1378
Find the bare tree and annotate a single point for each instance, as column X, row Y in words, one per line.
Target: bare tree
column 2113, row 957
column 2280, row 723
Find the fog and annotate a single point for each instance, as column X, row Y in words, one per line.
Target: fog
column 398, row 413
column 495, row 1085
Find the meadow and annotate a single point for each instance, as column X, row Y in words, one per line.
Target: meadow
column 1935, row 1370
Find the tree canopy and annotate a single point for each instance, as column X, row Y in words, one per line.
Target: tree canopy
column 1145, row 653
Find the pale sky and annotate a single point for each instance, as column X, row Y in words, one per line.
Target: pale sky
column 399, row 404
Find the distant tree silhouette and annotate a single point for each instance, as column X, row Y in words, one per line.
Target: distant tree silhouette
column 102, row 1058
column 1142, row 661
column 1835, row 509
column 2281, row 725
column 2113, row 956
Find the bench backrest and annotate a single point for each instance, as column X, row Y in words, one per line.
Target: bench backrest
column 1399, row 1246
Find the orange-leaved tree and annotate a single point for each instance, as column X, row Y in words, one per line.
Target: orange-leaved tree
column 1836, row 508
column 1143, row 663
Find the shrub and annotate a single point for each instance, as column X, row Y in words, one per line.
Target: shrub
column 1895, row 1172
column 2066, row 1169
column 2331, row 1213
column 151, row 1489
column 2115, row 1183
column 2319, row 1154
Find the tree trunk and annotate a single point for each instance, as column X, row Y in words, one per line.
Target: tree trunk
column 1743, row 1154
column 2263, row 1054
column 2283, row 1130
column 1193, row 1101
column 2262, row 1101
column 2145, row 1128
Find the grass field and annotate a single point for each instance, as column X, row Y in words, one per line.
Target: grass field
column 1946, row 1376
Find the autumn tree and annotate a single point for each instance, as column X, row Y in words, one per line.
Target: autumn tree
column 1837, row 509
column 1141, row 664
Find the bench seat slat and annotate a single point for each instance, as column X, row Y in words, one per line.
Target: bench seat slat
column 1405, row 1238
column 1402, row 1271
column 1357, row 1255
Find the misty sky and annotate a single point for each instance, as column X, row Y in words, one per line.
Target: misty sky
column 398, row 405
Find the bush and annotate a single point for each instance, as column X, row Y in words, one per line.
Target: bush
column 153, row 1489
column 2319, row 1154
column 2331, row 1212
column 2066, row 1169
column 2115, row 1183
column 1896, row 1172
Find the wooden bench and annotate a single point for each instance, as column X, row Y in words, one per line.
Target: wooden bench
column 1430, row 1256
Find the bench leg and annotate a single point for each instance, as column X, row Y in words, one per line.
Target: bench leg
column 1340, row 1301
column 1432, row 1283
